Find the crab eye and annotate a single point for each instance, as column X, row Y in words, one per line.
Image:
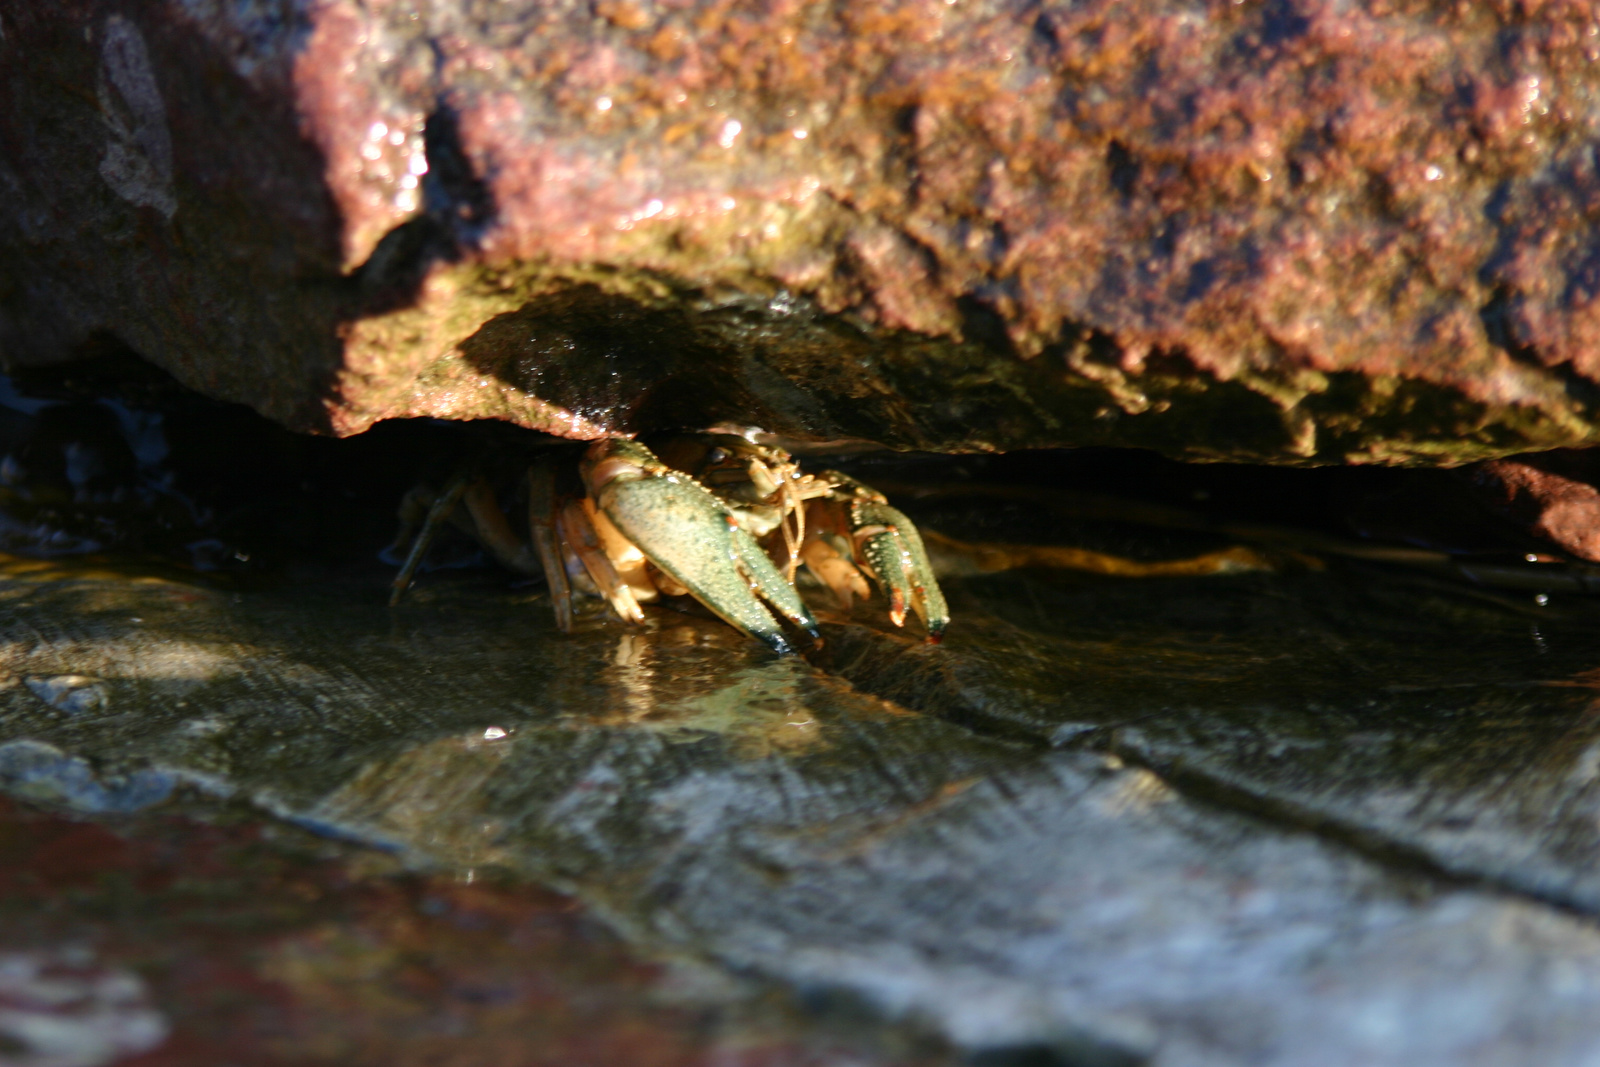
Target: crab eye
column 717, row 455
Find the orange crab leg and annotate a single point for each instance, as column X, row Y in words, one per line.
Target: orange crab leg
column 834, row 568
column 546, row 542
column 575, row 529
column 493, row 531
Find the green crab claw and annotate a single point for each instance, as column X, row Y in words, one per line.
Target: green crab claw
column 890, row 547
column 689, row 534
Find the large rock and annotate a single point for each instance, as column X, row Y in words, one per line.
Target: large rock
column 1292, row 230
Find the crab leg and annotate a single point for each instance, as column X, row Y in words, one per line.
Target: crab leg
column 830, row 557
column 542, row 531
column 492, row 530
column 438, row 515
column 691, row 535
column 577, row 531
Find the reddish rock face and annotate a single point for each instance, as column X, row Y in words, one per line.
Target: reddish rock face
column 1294, row 230
column 1552, row 495
column 196, row 944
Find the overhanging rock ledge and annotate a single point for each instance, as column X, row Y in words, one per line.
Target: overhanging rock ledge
column 1290, row 231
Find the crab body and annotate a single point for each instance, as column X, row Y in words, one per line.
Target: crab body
column 716, row 517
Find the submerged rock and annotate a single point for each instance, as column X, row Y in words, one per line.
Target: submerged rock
column 1285, row 231
column 44, row 774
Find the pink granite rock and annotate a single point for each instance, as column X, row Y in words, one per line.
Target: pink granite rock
column 1292, row 230
column 1552, row 495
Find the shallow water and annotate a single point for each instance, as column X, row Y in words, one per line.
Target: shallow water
column 1332, row 813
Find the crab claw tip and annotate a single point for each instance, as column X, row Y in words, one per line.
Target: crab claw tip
column 776, row 642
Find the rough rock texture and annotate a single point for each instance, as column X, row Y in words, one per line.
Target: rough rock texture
column 200, row 944
column 1295, row 229
column 1312, row 817
column 1553, row 495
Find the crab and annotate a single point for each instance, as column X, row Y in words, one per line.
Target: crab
column 714, row 516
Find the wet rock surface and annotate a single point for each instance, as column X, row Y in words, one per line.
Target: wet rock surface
column 1294, row 231
column 169, row 941
column 1297, row 808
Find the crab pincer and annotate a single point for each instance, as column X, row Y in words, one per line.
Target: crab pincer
column 887, row 546
column 692, row 537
